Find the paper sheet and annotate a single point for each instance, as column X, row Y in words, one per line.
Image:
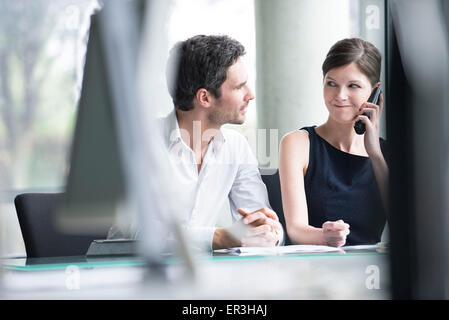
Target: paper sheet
column 247, row 251
column 263, row 251
column 361, row 247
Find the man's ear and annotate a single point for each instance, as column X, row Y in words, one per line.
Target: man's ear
column 204, row 98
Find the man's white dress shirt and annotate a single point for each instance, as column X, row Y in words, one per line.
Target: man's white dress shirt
column 229, row 171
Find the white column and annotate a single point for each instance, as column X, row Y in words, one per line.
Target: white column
column 292, row 39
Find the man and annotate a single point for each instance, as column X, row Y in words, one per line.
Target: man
column 207, row 81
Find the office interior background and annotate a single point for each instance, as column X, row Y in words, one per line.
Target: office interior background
column 43, row 45
column 42, row 59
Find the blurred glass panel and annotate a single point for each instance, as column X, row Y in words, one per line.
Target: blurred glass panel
column 42, row 47
column 42, row 50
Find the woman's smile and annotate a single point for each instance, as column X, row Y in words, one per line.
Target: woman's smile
column 342, row 106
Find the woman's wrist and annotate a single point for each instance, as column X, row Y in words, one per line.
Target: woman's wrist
column 323, row 240
column 376, row 155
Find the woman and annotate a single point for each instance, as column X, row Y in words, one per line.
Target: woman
column 334, row 181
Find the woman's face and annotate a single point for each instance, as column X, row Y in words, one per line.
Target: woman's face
column 346, row 88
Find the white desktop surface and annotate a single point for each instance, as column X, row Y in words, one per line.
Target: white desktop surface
column 305, row 276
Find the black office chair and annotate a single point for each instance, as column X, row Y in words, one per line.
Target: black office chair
column 42, row 238
column 271, row 179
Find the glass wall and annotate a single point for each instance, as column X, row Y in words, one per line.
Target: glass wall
column 42, row 52
column 42, row 47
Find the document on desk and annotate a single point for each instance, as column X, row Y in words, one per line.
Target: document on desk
column 362, row 247
column 263, row 251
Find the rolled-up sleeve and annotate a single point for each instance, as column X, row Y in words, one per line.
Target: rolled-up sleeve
column 248, row 190
column 201, row 237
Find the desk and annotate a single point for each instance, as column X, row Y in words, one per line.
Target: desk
column 351, row 275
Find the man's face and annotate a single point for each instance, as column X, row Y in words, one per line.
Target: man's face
column 235, row 96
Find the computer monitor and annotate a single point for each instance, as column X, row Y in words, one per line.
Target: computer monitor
column 119, row 164
column 95, row 183
column 417, row 96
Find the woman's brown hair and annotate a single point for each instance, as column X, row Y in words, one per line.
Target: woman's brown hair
column 365, row 55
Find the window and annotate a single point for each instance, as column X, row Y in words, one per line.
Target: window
column 42, row 47
column 234, row 18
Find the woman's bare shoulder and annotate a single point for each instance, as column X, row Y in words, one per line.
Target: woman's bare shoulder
column 295, row 149
column 295, row 139
column 294, row 152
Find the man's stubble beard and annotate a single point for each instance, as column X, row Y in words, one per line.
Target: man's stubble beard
column 218, row 117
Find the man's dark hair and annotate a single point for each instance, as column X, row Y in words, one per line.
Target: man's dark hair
column 364, row 54
column 200, row 62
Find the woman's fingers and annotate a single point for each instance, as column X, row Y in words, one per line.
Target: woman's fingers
column 335, row 232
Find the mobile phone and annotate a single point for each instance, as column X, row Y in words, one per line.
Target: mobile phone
column 359, row 126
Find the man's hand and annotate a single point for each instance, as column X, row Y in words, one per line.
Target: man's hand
column 335, row 233
column 264, row 228
column 260, row 228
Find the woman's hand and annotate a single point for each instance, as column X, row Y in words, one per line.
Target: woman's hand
column 335, row 233
column 372, row 144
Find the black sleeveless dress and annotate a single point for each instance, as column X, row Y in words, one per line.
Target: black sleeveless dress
column 340, row 185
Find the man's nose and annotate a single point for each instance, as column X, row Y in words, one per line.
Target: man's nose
column 250, row 95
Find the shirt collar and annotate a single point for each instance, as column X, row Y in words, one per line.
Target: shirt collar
column 173, row 134
column 218, row 141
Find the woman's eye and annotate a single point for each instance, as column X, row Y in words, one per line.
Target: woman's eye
column 331, row 84
column 353, row 85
